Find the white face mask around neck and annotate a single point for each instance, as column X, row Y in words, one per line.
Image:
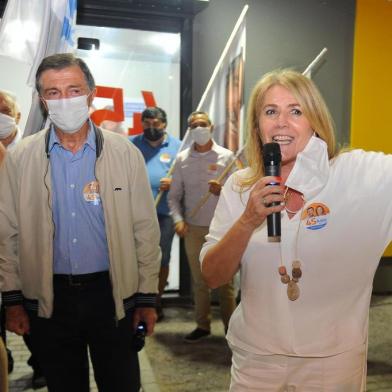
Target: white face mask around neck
column 68, row 114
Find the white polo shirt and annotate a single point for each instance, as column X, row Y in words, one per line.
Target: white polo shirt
column 339, row 252
column 191, row 174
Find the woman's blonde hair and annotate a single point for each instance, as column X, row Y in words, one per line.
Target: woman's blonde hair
column 313, row 107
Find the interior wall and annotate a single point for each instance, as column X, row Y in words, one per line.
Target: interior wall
column 135, row 76
column 13, row 77
column 372, row 79
column 132, row 76
column 283, row 33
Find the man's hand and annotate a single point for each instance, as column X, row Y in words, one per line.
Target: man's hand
column 165, row 184
column 148, row 315
column 215, row 187
column 181, row 228
column 17, row 320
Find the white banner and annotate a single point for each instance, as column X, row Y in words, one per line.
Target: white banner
column 31, row 30
column 223, row 99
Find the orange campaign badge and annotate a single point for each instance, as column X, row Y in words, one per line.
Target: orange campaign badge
column 212, row 168
column 315, row 216
column 91, row 193
column 165, row 157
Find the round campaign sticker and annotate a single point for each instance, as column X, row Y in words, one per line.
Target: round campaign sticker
column 315, row 216
column 91, row 193
column 212, row 168
column 165, row 157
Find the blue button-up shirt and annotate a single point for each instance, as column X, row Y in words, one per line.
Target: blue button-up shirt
column 80, row 243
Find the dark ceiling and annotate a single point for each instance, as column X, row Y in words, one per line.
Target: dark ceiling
column 156, row 15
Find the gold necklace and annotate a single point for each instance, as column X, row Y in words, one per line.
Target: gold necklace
column 293, row 290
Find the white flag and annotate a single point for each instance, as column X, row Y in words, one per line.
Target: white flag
column 223, row 99
column 21, row 27
column 31, row 30
column 57, row 32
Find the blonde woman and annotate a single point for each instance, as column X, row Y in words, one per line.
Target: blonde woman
column 303, row 318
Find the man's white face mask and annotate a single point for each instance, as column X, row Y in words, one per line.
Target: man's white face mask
column 7, row 125
column 68, row 114
column 201, row 135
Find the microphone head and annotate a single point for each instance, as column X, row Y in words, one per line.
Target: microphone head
column 271, row 154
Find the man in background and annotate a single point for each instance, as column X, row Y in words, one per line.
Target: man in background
column 159, row 150
column 10, row 135
column 195, row 173
column 3, row 353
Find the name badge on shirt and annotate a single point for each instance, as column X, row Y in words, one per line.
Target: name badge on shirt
column 91, row 193
column 165, row 157
column 315, row 216
column 212, row 168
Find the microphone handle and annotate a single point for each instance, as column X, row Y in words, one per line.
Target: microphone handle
column 273, row 220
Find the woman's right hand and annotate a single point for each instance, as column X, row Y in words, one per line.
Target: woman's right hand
column 260, row 199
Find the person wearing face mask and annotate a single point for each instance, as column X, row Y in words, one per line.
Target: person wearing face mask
column 302, row 323
column 3, row 353
column 79, row 239
column 159, row 150
column 194, row 174
column 10, row 133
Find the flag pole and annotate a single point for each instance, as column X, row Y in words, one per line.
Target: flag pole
column 211, row 81
column 312, row 65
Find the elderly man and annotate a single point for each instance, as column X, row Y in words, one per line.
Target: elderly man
column 79, row 239
column 10, row 133
column 3, row 354
column 194, row 174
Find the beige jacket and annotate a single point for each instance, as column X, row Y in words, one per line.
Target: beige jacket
column 26, row 225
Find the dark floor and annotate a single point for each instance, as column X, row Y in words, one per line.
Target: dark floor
column 205, row 366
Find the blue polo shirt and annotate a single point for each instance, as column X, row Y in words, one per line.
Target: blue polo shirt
column 80, row 243
column 158, row 162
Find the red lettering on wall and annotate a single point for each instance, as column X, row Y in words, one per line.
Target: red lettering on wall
column 149, row 101
column 117, row 114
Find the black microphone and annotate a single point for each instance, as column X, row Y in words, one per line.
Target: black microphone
column 272, row 158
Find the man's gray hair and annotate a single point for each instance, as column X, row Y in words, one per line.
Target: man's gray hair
column 60, row 61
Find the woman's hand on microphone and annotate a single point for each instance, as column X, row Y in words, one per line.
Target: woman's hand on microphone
column 260, row 199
